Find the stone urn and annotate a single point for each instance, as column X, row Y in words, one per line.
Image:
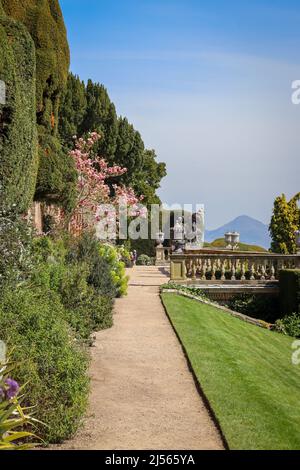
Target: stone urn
column 160, row 238
column 228, row 240
column 235, row 236
column 232, row 239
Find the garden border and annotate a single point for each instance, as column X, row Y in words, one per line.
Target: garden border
column 240, row 316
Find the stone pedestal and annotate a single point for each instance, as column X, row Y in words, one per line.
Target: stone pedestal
column 160, row 255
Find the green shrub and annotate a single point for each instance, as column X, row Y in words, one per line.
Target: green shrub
column 113, row 257
column 144, row 260
column 124, row 255
column 196, row 291
column 85, row 308
column 57, row 176
column 101, row 278
column 261, row 306
column 289, row 325
column 289, row 282
column 15, row 248
column 51, row 360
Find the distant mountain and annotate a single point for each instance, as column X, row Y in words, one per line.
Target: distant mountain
column 251, row 231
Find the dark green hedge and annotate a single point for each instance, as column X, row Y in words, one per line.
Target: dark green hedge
column 44, row 21
column 290, row 291
column 18, row 133
column 57, row 175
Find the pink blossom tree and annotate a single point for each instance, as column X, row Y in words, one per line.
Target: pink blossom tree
column 93, row 188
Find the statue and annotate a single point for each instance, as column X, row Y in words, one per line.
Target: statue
column 196, row 235
column 179, row 235
column 190, row 233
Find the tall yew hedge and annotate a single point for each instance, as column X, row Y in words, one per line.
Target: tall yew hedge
column 18, row 133
column 44, row 21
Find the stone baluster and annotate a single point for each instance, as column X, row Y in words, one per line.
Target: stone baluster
column 204, row 269
column 194, row 270
column 213, row 270
column 252, row 271
column 198, row 266
column 263, row 270
column 272, row 272
column 243, row 270
column 233, row 270
column 223, row 270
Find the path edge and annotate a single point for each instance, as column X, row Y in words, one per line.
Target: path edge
column 196, row 381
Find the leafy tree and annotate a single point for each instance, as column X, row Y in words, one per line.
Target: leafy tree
column 88, row 109
column 284, row 223
column 147, row 180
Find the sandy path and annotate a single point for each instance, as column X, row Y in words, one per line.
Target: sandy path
column 143, row 395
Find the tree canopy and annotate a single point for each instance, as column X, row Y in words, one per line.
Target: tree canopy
column 88, row 108
column 284, row 223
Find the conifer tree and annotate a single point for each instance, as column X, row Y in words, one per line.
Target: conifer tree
column 284, row 223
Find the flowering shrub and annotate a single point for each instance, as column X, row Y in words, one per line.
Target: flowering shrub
column 93, row 187
column 113, row 255
column 13, row 418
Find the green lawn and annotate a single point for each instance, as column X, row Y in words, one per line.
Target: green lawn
column 245, row 372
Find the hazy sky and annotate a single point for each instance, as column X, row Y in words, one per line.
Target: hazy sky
column 208, row 85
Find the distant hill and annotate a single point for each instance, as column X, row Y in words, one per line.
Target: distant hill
column 220, row 243
column 252, row 232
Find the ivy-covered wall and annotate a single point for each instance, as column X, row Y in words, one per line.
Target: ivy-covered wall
column 44, row 21
column 18, row 133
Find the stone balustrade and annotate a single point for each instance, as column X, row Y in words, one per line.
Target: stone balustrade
column 162, row 255
column 222, row 266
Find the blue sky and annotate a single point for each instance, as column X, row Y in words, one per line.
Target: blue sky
column 208, row 85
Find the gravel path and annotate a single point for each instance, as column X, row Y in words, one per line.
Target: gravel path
column 143, row 395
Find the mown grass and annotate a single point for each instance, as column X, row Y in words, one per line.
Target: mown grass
column 245, row 372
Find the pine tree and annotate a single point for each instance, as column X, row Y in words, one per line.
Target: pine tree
column 72, row 110
column 100, row 116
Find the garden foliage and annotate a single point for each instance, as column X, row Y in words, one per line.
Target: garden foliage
column 49, row 308
column 45, row 64
column 284, row 223
column 261, row 306
column 18, row 134
column 289, row 281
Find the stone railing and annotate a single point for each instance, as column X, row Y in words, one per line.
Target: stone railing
column 162, row 255
column 227, row 266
